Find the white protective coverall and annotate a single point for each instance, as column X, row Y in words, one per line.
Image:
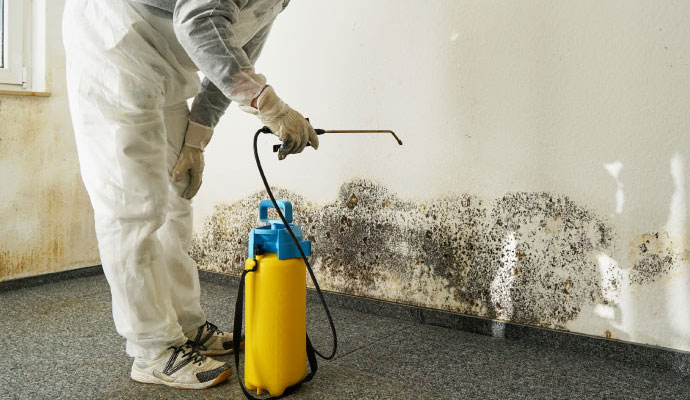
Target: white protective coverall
column 128, row 79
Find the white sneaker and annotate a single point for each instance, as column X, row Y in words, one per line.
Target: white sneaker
column 181, row 367
column 210, row 340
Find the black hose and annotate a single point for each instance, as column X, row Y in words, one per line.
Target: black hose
column 294, row 238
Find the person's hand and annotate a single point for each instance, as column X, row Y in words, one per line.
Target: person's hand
column 290, row 126
column 191, row 159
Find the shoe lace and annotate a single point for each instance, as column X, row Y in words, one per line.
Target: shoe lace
column 194, row 355
column 205, row 332
column 211, row 327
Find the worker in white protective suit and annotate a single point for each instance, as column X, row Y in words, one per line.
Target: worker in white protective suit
column 131, row 66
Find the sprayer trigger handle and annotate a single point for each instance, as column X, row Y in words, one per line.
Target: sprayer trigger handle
column 286, row 206
column 276, row 147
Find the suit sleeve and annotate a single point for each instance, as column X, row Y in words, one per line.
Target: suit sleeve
column 210, row 104
column 203, row 28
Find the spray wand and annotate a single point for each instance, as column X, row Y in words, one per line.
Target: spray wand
column 276, row 147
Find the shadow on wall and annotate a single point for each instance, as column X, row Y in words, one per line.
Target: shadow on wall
column 531, row 258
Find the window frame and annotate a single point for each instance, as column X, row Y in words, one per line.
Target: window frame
column 14, row 55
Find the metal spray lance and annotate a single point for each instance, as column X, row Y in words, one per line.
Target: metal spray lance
column 276, row 147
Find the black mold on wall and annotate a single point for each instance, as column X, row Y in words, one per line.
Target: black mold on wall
column 655, row 255
column 526, row 257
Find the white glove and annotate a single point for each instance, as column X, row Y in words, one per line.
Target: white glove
column 192, row 157
column 289, row 125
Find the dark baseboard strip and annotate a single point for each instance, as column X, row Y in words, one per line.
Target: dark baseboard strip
column 633, row 353
column 627, row 352
column 38, row 280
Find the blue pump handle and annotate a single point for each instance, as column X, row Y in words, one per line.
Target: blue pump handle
column 286, row 206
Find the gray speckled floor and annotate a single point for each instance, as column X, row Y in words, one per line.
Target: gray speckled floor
column 58, row 341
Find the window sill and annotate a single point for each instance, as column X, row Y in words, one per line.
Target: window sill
column 15, row 92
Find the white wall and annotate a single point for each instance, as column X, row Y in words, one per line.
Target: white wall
column 586, row 99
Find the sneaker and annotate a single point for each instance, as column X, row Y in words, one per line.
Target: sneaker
column 181, row 367
column 210, row 340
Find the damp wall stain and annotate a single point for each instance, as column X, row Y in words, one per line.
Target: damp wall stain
column 528, row 258
column 47, row 222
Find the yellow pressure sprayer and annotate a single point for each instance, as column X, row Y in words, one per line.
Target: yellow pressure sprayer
column 273, row 287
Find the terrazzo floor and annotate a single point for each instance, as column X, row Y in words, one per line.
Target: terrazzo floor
column 58, row 340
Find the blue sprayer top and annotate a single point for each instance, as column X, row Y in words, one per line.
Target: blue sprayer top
column 275, row 238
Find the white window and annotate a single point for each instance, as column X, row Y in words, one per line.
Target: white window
column 13, row 21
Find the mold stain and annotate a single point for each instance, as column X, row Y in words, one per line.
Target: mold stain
column 32, row 261
column 654, row 255
column 450, row 253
